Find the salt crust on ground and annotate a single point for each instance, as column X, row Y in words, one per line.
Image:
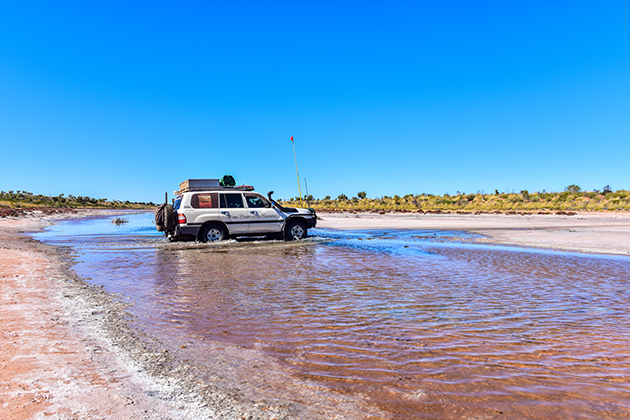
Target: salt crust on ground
column 601, row 233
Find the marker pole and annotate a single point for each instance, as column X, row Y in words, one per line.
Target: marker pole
column 296, row 172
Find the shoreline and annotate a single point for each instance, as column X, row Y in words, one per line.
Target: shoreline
column 585, row 232
column 67, row 350
column 52, row 362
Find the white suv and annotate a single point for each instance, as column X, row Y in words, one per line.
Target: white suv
column 214, row 214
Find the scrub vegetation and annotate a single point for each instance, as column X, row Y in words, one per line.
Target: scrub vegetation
column 573, row 198
column 24, row 199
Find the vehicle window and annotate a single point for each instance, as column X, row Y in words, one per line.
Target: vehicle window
column 232, row 201
column 204, row 201
column 255, row 200
column 177, row 202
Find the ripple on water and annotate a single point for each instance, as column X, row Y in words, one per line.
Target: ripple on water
column 415, row 323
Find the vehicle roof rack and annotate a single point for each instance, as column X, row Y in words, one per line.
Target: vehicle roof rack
column 208, row 185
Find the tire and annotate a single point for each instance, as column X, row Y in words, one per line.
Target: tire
column 212, row 233
column 169, row 218
column 159, row 218
column 295, row 230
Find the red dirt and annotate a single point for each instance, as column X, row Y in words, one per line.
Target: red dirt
column 48, row 366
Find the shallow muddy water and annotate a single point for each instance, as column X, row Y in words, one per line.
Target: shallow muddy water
column 384, row 324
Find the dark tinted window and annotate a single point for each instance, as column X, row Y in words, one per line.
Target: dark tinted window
column 232, row 201
column 255, row 201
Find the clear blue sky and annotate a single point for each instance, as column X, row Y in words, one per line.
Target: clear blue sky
column 123, row 100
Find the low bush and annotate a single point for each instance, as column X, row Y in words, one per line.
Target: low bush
column 524, row 201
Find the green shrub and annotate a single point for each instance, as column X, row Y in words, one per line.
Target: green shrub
column 573, row 188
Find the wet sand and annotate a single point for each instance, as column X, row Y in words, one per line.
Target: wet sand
column 66, row 351
column 49, row 365
column 601, row 233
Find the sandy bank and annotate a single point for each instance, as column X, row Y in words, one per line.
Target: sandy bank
column 67, row 352
column 605, row 233
column 49, row 364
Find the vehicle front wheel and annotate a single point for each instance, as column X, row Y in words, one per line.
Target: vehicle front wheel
column 212, row 233
column 294, row 231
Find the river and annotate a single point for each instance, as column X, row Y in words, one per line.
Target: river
column 383, row 324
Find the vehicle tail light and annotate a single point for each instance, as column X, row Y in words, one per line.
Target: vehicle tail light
column 181, row 218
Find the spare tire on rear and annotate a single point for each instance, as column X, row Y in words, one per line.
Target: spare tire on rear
column 164, row 218
column 159, row 218
column 169, row 218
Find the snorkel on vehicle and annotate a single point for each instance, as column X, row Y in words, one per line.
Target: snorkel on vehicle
column 280, row 207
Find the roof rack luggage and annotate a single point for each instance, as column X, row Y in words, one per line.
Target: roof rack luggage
column 208, row 185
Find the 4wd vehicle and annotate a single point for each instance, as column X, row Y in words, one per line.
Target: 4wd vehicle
column 208, row 212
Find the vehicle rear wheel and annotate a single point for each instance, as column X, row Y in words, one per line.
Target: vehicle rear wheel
column 295, row 230
column 212, row 233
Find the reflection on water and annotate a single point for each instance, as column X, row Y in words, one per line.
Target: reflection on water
column 414, row 324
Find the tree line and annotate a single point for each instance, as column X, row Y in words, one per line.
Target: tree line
column 25, row 198
column 572, row 198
